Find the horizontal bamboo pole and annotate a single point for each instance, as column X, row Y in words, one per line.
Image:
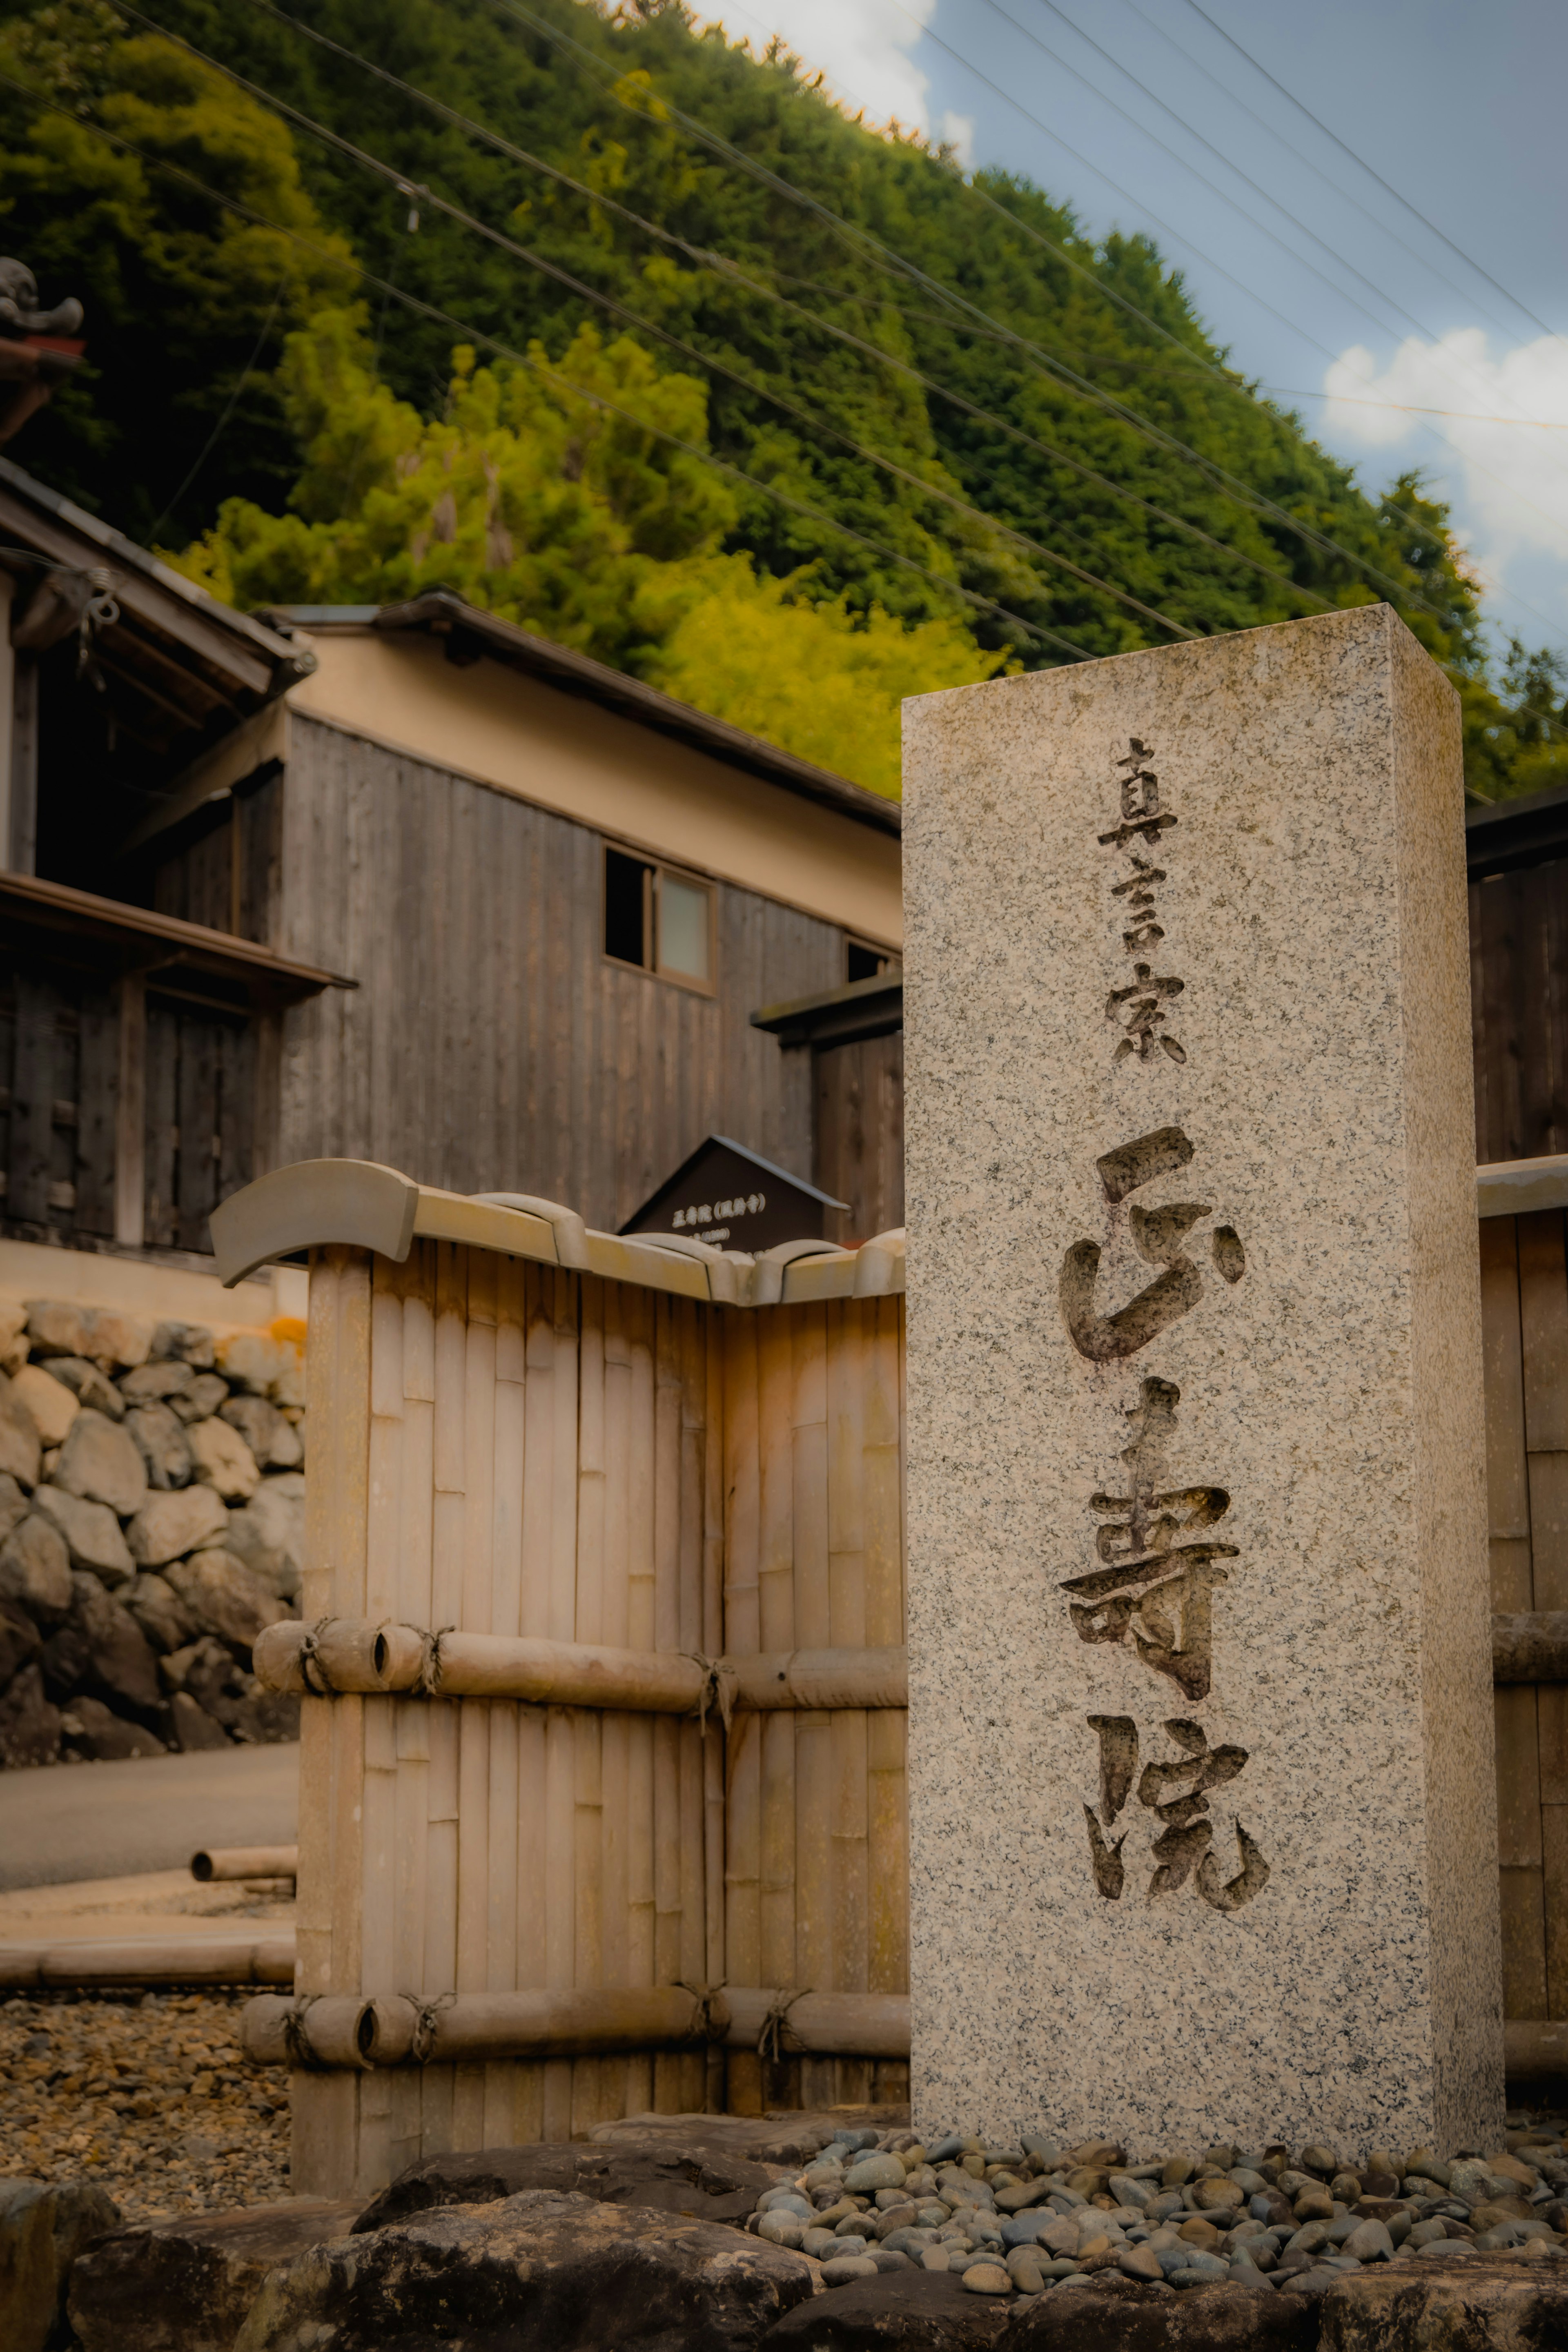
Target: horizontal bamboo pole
column 833, row 2025
column 565, row 2025
column 151, row 1960
column 1535, row 2045
column 282, row 2030
column 344, row 2031
column 350, row 1655
column 1530, row 1648
column 225, row 1861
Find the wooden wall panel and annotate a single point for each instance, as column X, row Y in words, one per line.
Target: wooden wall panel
column 1524, row 1308
column 859, row 1131
column 489, row 1046
column 1519, row 973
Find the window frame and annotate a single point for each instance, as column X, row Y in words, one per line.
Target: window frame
column 653, row 869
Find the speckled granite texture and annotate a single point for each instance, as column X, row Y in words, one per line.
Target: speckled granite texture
column 1253, row 1423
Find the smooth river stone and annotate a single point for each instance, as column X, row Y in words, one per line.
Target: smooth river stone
column 1251, row 1263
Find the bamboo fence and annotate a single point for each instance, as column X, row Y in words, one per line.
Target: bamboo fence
column 548, row 1455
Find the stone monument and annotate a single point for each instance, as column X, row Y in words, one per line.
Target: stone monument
column 1202, row 1797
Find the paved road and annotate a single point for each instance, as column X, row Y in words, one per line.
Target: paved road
column 66, row 1821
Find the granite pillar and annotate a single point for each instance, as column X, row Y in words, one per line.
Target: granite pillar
column 1202, row 1798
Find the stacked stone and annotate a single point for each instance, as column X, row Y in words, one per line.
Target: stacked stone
column 151, row 1524
column 1023, row 2219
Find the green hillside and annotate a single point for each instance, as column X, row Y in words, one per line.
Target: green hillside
column 935, row 401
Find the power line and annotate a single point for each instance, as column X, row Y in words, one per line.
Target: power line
column 1302, row 157
column 1391, row 505
column 396, row 178
column 1470, row 263
column 551, row 376
column 872, row 247
column 731, row 269
column 1246, row 178
column 1274, row 239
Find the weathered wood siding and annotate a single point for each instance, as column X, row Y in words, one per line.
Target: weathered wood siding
column 1524, row 1304
column 1518, row 1001
column 512, row 1448
column 860, row 1112
column 489, row 1045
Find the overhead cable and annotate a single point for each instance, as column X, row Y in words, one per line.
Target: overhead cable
column 478, row 336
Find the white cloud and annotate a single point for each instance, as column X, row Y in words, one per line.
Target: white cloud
column 958, row 132
column 1512, row 473
column 862, row 46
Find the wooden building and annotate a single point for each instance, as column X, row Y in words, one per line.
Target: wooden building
column 425, row 889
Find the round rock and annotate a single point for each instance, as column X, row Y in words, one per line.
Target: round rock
column 874, row 2172
column 169, row 1526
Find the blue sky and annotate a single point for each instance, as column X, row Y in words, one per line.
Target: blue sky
column 1326, row 289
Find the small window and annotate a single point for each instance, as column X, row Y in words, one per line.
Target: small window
column 657, row 920
column 863, row 962
column 628, row 893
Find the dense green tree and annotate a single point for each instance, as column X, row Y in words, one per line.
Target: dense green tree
column 1115, row 432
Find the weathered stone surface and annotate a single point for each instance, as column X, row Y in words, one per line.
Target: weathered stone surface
column 222, row 1596
column 29, row 1722
column 19, row 1639
column 161, row 1441
column 206, row 1392
column 701, row 2187
column 152, row 1601
column 15, row 1505
column 263, row 1366
column 93, row 1729
column 155, row 1382
column 88, row 1384
column 34, row 1568
column 185, row 2284
column 92, row 1532
column 222, row 1459
column 1112, row 2313
column 102, row 1646
column 170, row 1525
column 44, row 2227
column 118, row 1338
column 190, row 1343
column 557, row 2272
column 21, row 1448
column 923, row 2311
column 193, row 1726
column 50, row 1403
column 1495, row 2303
column 268, row 1533
column 274, row 1440
column 100, row 1462
column 60, row 1327
column 1138, row 1220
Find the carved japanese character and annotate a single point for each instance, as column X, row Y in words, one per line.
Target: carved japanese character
column 1175, row 1792
column 1157, row 1234
column 1140, row 1009
column 1155, row 1587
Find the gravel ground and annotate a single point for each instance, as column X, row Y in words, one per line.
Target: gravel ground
column 147, row 2094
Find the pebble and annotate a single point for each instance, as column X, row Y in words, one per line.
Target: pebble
column 1026, row 2220
column 146, row 2095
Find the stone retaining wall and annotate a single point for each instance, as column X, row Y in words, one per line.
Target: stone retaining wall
column 151, row 1523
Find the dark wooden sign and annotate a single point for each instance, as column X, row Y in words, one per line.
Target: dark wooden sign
column 727, row 1195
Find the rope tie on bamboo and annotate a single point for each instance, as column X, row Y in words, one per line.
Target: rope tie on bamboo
column 312, row 1672
column 770, row 2040
column 429, row 1683
column 297, row 2042
column 718, row 1690
column 426, row 2017
column 705, row 2026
